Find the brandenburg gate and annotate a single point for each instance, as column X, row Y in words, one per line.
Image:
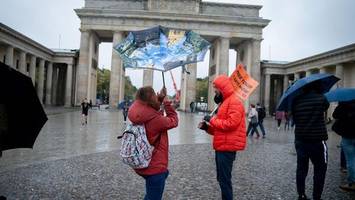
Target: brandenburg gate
column 225, row 26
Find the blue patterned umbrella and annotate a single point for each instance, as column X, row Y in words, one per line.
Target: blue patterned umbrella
column 161, row 48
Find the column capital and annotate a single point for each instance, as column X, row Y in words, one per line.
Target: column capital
column 85, row 30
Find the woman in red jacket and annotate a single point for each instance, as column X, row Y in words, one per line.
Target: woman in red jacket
column 228, row 130
column 146, row 110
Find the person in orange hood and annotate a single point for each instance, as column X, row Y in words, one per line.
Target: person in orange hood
column 228, row 129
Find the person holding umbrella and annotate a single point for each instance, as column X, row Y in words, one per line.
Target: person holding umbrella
column 308, row 104
column 308, row 112
column 228, row 130
column 146, row 110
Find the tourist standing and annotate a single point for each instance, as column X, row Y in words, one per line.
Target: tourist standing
column 308, row 112
column 84, row 111
column 145, row 110
column 344, row 114
column 228, row 130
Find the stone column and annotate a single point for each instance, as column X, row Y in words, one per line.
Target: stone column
column 10, row 56
column 55, row 86
column 68, row 85
column 267, row 92
column 22, row 63
column 83, row 66
column 188, row 87
column 40, row 80
column 49, row 84
column 148, row 76
column 223, row 56
column 286, row 79
column 255, row 70
column 308, row 72
column 219, row 66
column 339, row 72
column 122, row 84
column 33, row 69
column 116, row 71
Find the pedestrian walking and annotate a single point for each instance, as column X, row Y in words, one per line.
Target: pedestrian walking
column 253, row 121
column 192, row 106
column 308, row 112
column 84, row 111
column 125, row 110
column 146, row 110
column 227, row 127
column 344, row 114
column 278, row 116
column 261, row 116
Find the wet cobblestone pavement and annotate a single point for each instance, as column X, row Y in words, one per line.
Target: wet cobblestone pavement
column 71, row 161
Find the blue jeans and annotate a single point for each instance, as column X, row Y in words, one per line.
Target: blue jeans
column 154, row 186
column 224, row 166
column 348, row 146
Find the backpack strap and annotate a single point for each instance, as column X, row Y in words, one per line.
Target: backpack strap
column 121, row 136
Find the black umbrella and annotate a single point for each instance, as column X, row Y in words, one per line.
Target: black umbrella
column 21, row 113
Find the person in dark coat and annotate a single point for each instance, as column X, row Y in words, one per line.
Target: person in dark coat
column 261, row 116
column 308, row 112
column 344, row 126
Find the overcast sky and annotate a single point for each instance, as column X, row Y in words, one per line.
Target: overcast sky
column 297, row 29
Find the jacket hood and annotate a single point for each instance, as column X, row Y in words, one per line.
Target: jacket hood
column 140, row 113
column 223, row 84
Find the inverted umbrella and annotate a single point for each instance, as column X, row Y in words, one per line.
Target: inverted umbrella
column 21, row 113
column 341, row 95
column 326, row 82
column 161, row 48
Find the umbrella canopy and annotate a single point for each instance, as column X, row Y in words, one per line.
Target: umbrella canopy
column 341, row 95
column 161, row 48
column 21, row 113
column 326, row 81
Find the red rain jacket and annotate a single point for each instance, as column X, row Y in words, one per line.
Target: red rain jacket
column 228, row 126
column 156, row 126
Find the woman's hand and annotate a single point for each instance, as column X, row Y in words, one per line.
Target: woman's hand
column 161, row 95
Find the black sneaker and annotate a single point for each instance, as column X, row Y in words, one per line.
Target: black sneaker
column 303, row 197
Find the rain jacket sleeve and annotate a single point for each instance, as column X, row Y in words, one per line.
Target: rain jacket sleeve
column 231, row 121
column 170, row 120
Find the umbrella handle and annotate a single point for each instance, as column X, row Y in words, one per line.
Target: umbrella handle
column 184, row 69
column 163, row 79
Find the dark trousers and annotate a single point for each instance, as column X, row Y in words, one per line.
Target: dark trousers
column 224, row 166
column 318, row 154
column 261, row 125
column 154, row 186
